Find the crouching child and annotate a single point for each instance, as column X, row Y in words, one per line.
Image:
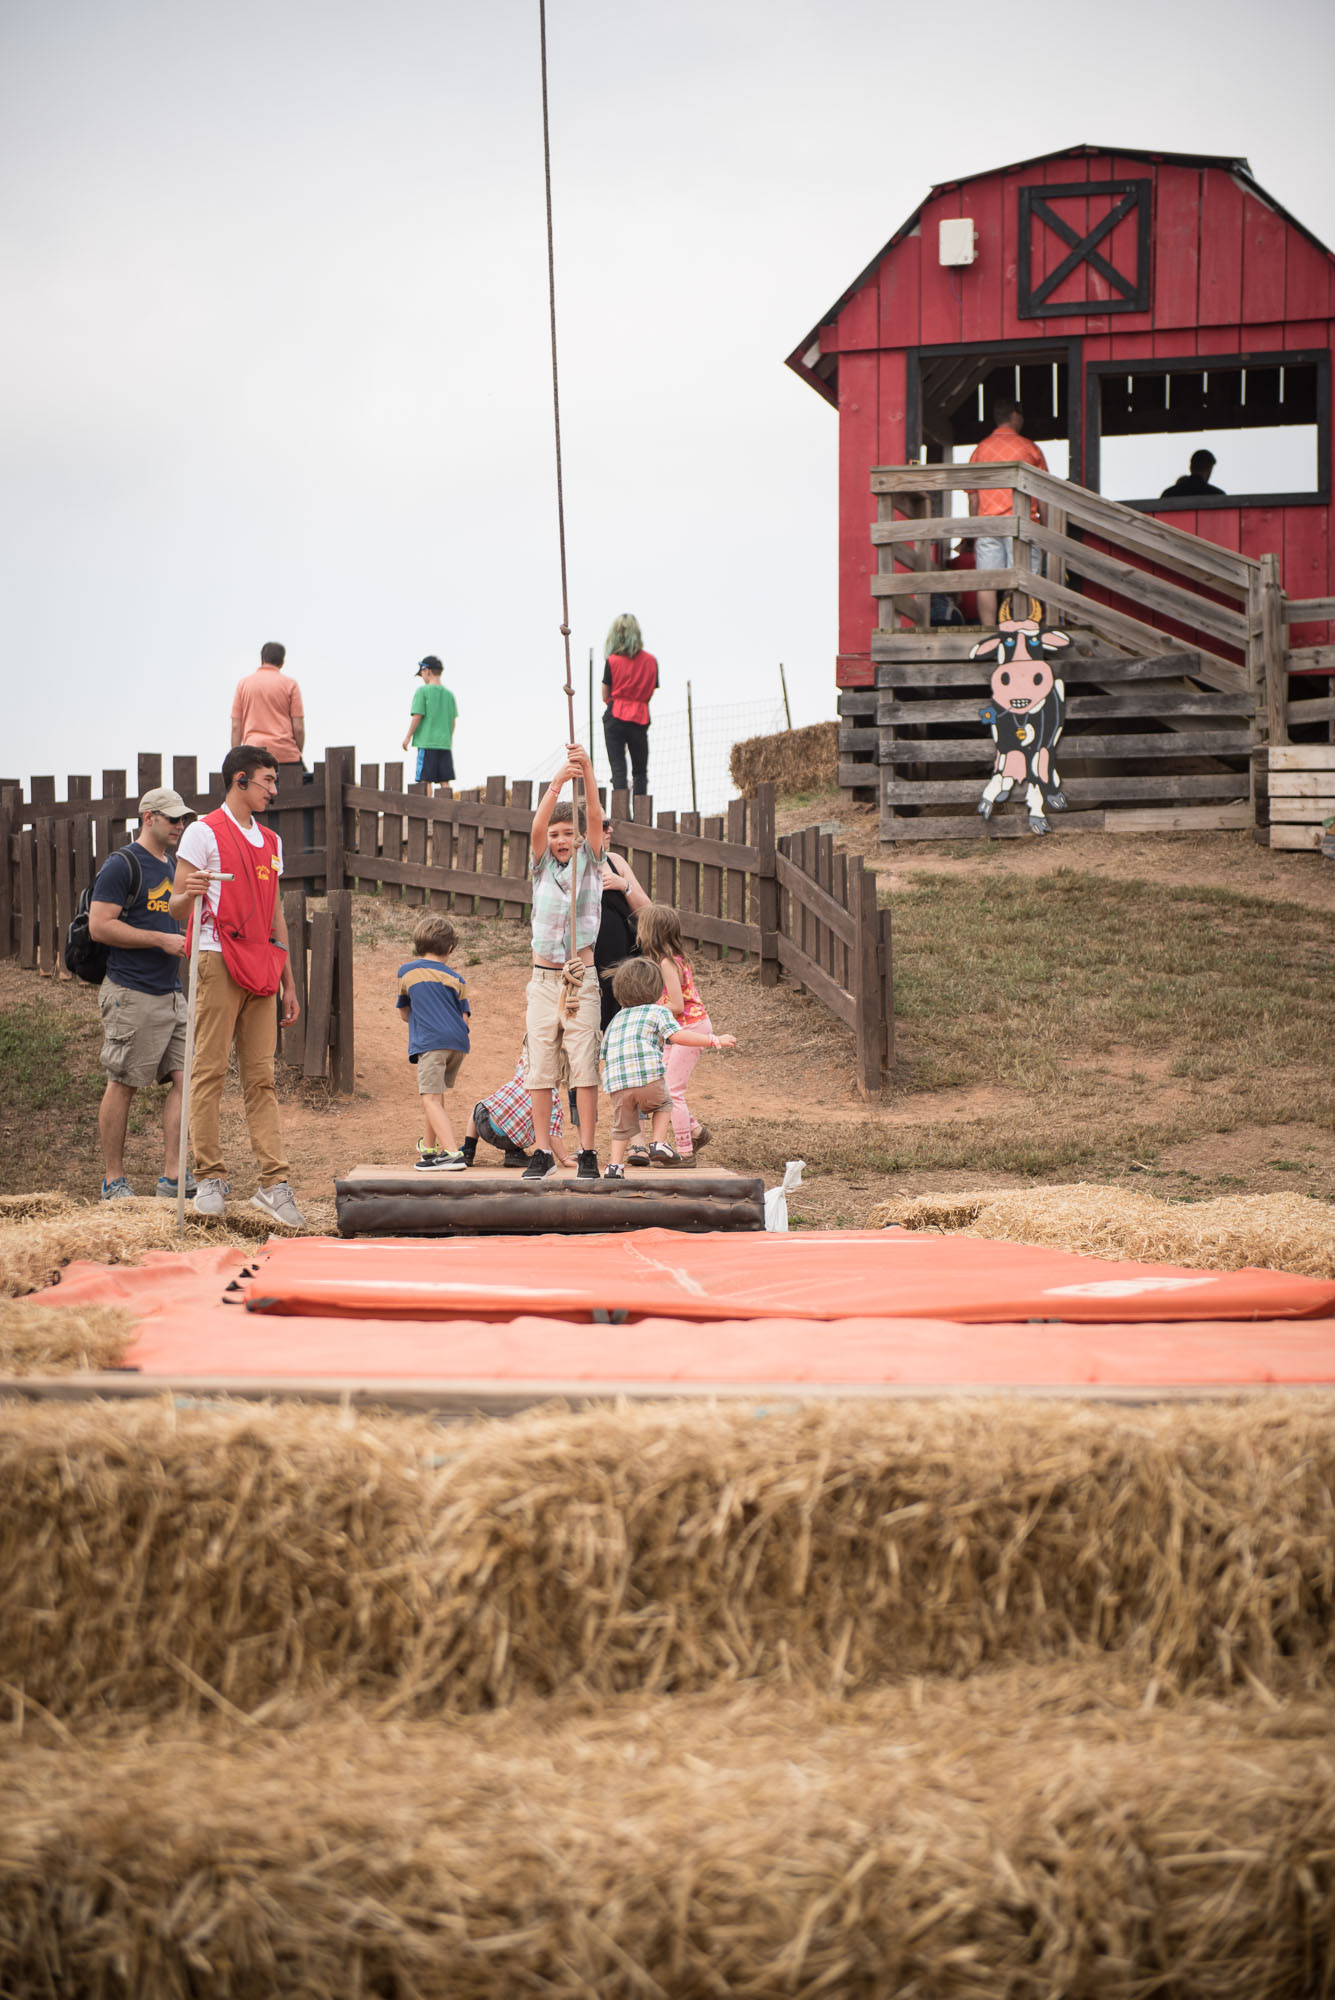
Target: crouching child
column 505, row 1120
column 558, row 846
column 634, row 1062
column 434, row 1005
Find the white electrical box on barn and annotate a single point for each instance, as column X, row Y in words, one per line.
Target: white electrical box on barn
column 958, row 240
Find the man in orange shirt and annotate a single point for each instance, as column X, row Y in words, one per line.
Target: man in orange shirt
column 267, row 710
column 1003, row 445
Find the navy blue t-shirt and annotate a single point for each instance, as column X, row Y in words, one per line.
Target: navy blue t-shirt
column 146, row 971
column 433, row 995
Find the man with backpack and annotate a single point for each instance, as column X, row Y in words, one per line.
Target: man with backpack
column 143, row 1007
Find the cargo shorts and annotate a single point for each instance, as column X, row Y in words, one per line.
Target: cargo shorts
column 547, row 1033
column 143, row 1034
column 437, row 1069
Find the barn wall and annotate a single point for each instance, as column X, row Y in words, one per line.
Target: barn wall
column 1229, row 275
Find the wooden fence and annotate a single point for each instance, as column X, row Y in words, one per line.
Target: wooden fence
column 792, row 904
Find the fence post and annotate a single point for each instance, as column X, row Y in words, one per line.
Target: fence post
column 1274, row 652
column 866, row 980
column 292, row 1041
column 885, row 965
column 343, row 1070
column 6, row 880
column 766, row 885
column 338, row 764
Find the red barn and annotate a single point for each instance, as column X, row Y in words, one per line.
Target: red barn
column 1128, row 297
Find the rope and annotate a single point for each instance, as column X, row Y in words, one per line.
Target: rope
column 573, row 975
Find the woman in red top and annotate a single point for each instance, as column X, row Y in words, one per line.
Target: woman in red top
column 629, row 680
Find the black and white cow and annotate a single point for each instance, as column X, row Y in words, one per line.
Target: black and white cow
column 1025, row 715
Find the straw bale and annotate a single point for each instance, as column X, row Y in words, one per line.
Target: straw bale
column 1281, row 1232
column 759, row 1845
column 23, row 1207
column 41, row 1241
column 149, row 1555
column 794, row 760
column 56, row 1340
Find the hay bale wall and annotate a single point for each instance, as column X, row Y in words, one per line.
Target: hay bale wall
column 794, row 760
column 148, row 1556
column 57, row 1340
column 960, row 1844
column 1281, row 1232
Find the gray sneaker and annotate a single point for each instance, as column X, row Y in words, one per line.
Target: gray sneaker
column 211, row 1197
column 117, row 1190
column 279, row 1204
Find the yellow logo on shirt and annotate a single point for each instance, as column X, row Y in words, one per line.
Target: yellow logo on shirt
column 262, row 872
column 159, row 895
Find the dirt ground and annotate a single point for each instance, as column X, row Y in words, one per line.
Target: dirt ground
column 788, row 1089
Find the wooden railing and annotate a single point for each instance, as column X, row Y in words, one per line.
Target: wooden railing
column 791, row 904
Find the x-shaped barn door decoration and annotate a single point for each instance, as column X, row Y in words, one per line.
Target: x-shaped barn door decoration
column 1128, row 291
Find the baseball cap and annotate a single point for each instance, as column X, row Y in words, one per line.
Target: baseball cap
column 163, row 800
column 430, row 663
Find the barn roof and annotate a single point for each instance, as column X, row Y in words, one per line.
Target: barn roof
column 1239, row 168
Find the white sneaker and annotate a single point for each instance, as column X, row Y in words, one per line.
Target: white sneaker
column 211, row 1197
column 279, row 1204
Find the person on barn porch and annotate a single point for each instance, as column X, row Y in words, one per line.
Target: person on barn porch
column 1195, row 484
column 243, row 965
column 630, row 678
column 1004, row 443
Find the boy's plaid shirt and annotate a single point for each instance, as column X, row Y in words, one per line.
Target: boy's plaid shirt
column 551, row 903
column 634, row 1045
column 510, row 1110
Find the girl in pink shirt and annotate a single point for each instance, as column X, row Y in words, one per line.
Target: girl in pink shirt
column 658, row 930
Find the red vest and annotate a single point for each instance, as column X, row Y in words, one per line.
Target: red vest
column 246, row 906
column 633, row 681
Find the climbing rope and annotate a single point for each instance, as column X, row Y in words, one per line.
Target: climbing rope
column 572, row 976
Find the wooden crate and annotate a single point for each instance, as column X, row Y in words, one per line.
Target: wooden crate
column 1302, row 794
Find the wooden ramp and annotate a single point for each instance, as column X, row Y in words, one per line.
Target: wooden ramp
column 484, row 1201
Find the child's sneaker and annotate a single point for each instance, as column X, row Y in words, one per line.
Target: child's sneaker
column 440, row 1163
column 586, row 1168
column 614, row 1171
column 119, row 1190
column 663, row 1155
column 541, row 1167
column 515, row 1156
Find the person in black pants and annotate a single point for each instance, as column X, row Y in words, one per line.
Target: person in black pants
column 630, row 677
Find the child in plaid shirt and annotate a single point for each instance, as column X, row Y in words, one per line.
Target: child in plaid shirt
column 505, row 1120
column 634, row 1062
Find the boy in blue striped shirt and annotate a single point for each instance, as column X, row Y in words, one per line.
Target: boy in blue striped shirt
column 434, row 1005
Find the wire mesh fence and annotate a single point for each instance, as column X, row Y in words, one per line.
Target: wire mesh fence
column 689, row 749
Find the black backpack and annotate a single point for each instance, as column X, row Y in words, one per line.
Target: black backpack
column 84, row 956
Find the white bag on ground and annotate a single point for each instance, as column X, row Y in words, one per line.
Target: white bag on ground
column 776, row 1199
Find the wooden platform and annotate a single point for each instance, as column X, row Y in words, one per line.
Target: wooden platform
column 486, row 1201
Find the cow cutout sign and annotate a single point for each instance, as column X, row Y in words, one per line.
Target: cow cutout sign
column 1026, row 715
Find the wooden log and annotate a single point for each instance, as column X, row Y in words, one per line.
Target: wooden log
column 766, row 884
column 493, row 846
column 517, row 852
column 969, row 750
column 1164, row 785
column 956, row 527
column 320, row 995
column 1308, row 610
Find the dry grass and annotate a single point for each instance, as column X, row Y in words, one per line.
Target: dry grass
column 58, row 1340
column 794, row 760
column 1282, row 1232
column 36, row 1242
column 146, row 1553
column 1033, row 1837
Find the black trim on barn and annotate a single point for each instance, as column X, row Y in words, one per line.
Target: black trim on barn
column 1197, row 364
column 1131, row 291
column 1021, row 351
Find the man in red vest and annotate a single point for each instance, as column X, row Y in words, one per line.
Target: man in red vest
column 242, row 965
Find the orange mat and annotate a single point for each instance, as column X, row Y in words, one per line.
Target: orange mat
column 187, row 1334
column 831, row 1274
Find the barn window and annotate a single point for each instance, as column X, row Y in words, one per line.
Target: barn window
column 1264, row 418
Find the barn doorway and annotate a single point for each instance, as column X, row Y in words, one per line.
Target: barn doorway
column 951, row 391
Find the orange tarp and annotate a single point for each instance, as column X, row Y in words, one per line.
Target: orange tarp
column 831, row 1274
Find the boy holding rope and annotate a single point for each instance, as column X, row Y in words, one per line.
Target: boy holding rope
column 564, row 1006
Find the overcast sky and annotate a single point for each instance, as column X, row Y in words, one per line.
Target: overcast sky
column 274, row 330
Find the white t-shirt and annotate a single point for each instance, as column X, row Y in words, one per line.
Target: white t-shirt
column 199, row 848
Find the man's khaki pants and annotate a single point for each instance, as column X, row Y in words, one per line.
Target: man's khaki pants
column 225, row 1012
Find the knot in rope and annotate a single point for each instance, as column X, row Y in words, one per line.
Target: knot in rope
column 572, row 978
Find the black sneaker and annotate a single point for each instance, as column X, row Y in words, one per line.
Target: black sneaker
column 540, row 1167
column 587, row 1168
column 515, row 1156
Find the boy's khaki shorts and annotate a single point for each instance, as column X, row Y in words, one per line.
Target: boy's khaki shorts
column 628, row 1104
column 143, row 1034
column 437, row 1069
column 548, row 1034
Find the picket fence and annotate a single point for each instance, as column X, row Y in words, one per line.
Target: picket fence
column 791, row 903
